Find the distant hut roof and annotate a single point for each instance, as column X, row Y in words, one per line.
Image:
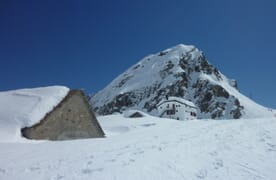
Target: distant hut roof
column 177, row 99
column 134, row 114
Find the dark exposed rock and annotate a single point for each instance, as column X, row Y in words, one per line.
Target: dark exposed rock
column 167, row 70
column 220, row 92
column 234, row 83
column 136, row 67
column 216, row 114
column 162, row 53
column 207, row 68
column 123, row 81
column 236, row 113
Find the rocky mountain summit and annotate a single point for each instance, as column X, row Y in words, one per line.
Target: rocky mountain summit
column 181, row 71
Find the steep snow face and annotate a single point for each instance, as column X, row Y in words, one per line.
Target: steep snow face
column 26, row 107
column 145, row 75
column 181, row 71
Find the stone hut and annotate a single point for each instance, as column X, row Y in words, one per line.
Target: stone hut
column 72, row 118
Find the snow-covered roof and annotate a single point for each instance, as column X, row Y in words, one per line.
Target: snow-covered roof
column 177, row 99
column 26, row 107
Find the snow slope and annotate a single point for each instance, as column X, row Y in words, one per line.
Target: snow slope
column 145, row 73
column 151, row 148
column 250, row 108
column 26, row 107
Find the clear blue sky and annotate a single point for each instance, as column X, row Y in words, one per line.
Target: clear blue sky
column 86, row 44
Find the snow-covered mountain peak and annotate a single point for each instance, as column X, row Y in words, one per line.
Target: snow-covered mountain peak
column 173, row 53
column 180, row 71
column 180, row 48
column 154, row 66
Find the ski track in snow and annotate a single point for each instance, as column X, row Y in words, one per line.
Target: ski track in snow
column 151, row 148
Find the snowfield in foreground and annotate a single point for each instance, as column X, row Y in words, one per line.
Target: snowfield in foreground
column 151, row 148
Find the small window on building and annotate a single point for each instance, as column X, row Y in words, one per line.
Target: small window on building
column 171, row 112
column 193, row 114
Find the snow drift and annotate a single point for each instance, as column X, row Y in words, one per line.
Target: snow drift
column 151, row 148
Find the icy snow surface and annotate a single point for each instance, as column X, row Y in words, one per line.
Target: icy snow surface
column 26, row 107
column 151, row 148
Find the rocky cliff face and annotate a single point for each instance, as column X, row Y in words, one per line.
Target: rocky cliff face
column 181, row 71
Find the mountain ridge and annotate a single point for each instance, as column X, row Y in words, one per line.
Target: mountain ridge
column 181, row 71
